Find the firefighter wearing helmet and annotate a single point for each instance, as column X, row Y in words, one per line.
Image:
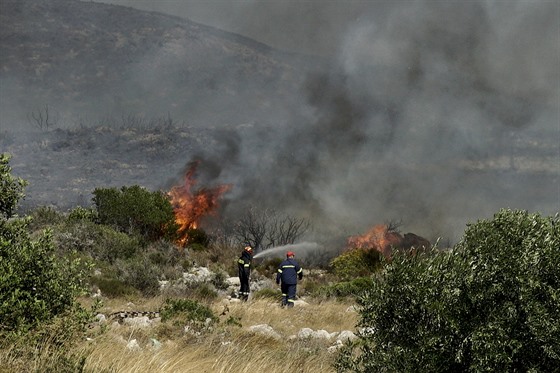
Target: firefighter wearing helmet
column 287, row 276
column 244, row 266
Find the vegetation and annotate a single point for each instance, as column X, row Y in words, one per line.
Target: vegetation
column 41, row 318
column 11, row 188
column 135, row 210
column 356, row 263
column 490, row 304
column 266, row 228
column 35, row 285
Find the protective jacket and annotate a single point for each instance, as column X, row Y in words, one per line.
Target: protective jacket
column 289, row 272
column 244, row 265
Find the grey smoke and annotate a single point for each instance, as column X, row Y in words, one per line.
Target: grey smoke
column 422, row 118
column 431, row 113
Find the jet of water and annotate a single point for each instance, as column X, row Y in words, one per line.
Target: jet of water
column 297, row 248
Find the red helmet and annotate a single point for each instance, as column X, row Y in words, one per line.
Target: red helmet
column 290, row 253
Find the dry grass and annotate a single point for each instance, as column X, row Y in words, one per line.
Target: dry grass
column 229, row 347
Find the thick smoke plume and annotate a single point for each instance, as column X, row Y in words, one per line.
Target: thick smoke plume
column 422, row 118
column 432, row 113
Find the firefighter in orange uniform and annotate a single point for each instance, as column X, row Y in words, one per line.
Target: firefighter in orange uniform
column 244, row 265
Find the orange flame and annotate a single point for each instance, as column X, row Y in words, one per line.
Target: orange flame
column 191, row 206
column 379, row 238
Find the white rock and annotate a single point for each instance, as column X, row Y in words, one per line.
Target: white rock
column 265, row 329
column 133, row 345
column 305, row 333
column 154, row 344
column 346, row 335
column 321, row 334
column 139, row 322
column 332, row 349
column 233, row 281
column 198, row 274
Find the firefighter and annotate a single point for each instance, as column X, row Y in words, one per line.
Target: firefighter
column 244, row 265
column 287, row 277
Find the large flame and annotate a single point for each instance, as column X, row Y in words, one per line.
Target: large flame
column 379, row 237
column 190, row 206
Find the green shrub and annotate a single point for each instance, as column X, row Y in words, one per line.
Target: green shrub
column 45, row 217
column 492, row 303
column 351, row 288
column 136, row 210
column 196, row 237
column 82, row 213
column 220, row 279
column 139, row 273
column 101, row 242
column 186, row 309
column 205, row 292
column 356, row 263
column 36, row 286
column 113, row 287
column 270, row 266
column 11, row 188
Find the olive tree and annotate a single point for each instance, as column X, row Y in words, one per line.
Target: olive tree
column 491, row 303
column 35, row 284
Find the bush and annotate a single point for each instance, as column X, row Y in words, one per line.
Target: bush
column 351, row 288
column 81, row 213
column 187, row 310
column 136, row 210
column 44, row 217
column 101, row 242
column 140, row 273
column 35, row 285
column 492, row 303
column 356, row 263
column 112, row 287
column 11, row 188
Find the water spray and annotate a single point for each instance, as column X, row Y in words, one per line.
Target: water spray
column 298, row 248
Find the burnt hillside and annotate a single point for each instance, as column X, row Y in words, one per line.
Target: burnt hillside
column 92, row 59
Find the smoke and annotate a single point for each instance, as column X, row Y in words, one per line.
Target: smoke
column 431, row 113
column 423, row 117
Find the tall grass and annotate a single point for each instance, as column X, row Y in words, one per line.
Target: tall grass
column 229, row 347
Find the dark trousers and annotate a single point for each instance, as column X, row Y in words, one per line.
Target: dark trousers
column 244, row 290
column 288, row 294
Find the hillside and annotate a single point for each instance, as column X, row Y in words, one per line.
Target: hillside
column 89, row 60
column 434, row 124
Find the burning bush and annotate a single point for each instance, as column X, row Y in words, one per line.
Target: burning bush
column 385, row 239
column 191, row 206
